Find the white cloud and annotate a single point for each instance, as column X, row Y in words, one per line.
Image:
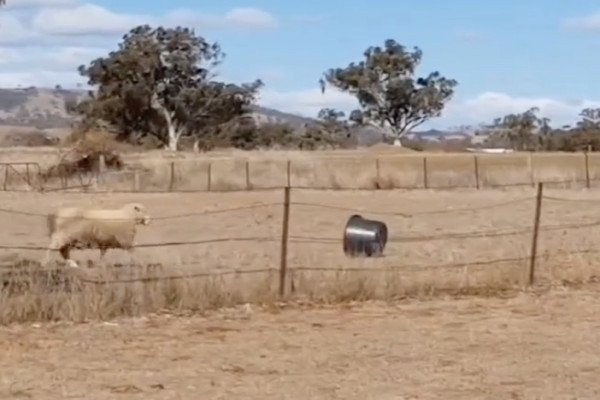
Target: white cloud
column 43, row 41
column 39, row 78
column 43, row 20
column 13, row 30
column 307, row 102
column 250, row 17
column 586, row 23
column 8, row 55
column 69, row 58
column 56, row 59
column 86, row 19
column 237, row 18
column 482, row 108
column 18, row 4
column 490, row 105
column 91, row 19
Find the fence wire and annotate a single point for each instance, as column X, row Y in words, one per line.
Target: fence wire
column 301, row 239
column 413, row 213
column 44, row 179
column 165, row 217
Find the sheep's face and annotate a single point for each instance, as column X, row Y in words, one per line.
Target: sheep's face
column 141, row 216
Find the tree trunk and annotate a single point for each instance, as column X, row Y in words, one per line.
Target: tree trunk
column 173, row 134
column 397, row 142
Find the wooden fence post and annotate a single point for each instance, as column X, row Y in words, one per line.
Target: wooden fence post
column 425, row 182
column 530, row 166
column 172, row 177
column 476, row 166
column 284, row 240
column 587, row 170
column 377, row 173
column 289, row 173
column 5, row 184
column 101, row 169
column 136, row 181
column 28, row 176
column 248, row 185
column 536, row 229
column 209, row 176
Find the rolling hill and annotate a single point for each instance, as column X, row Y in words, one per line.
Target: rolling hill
column 44, row 109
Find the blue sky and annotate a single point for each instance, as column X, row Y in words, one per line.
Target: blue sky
column 506, row 55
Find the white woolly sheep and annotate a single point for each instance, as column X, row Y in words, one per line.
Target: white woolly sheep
column 94, row 228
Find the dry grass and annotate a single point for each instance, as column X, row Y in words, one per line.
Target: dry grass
column 502, row 340
column 432, row 234
column 31, row 293
column 363, row 168
column 525, row 346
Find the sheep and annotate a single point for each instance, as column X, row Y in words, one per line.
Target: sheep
column 102, row 228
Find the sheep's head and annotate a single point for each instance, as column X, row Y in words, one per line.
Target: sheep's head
column 141, row 216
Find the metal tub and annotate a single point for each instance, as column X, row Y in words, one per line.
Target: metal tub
column 364, row 237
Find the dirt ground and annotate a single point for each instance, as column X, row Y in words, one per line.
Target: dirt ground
column 530, row 346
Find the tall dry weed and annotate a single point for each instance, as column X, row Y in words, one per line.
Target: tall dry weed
column 30, row 293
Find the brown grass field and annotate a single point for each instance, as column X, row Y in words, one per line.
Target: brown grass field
column 414, row 336
column 527, row 346
column 368, row 168
column 431, row 234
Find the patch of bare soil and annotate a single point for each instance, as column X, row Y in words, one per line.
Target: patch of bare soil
column 530, row 346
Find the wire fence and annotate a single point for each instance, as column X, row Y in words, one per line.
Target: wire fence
column 422, row 172
column 520, row 232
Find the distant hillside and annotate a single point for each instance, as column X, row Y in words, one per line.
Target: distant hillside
column 44, row 108
column 33, row 107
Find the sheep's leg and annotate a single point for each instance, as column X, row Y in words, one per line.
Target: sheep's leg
column 55, row 244
column 46, row 260
column 65, row 252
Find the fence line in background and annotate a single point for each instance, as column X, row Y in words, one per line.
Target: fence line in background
column 94, row 178
column 286, row 273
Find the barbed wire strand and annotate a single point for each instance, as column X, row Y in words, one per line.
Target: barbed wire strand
column 409, row 239
column 405, row 214
column 563, row 199
column 335, row 241
column 300, row 239
column 417, row 267
column 179, row 277
column 411, row 268
column 15, row 275
column 186, row 215
column 161, row 244
column 307, row 204
column 157, row 191
column 465, row 186
column 458, row 235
